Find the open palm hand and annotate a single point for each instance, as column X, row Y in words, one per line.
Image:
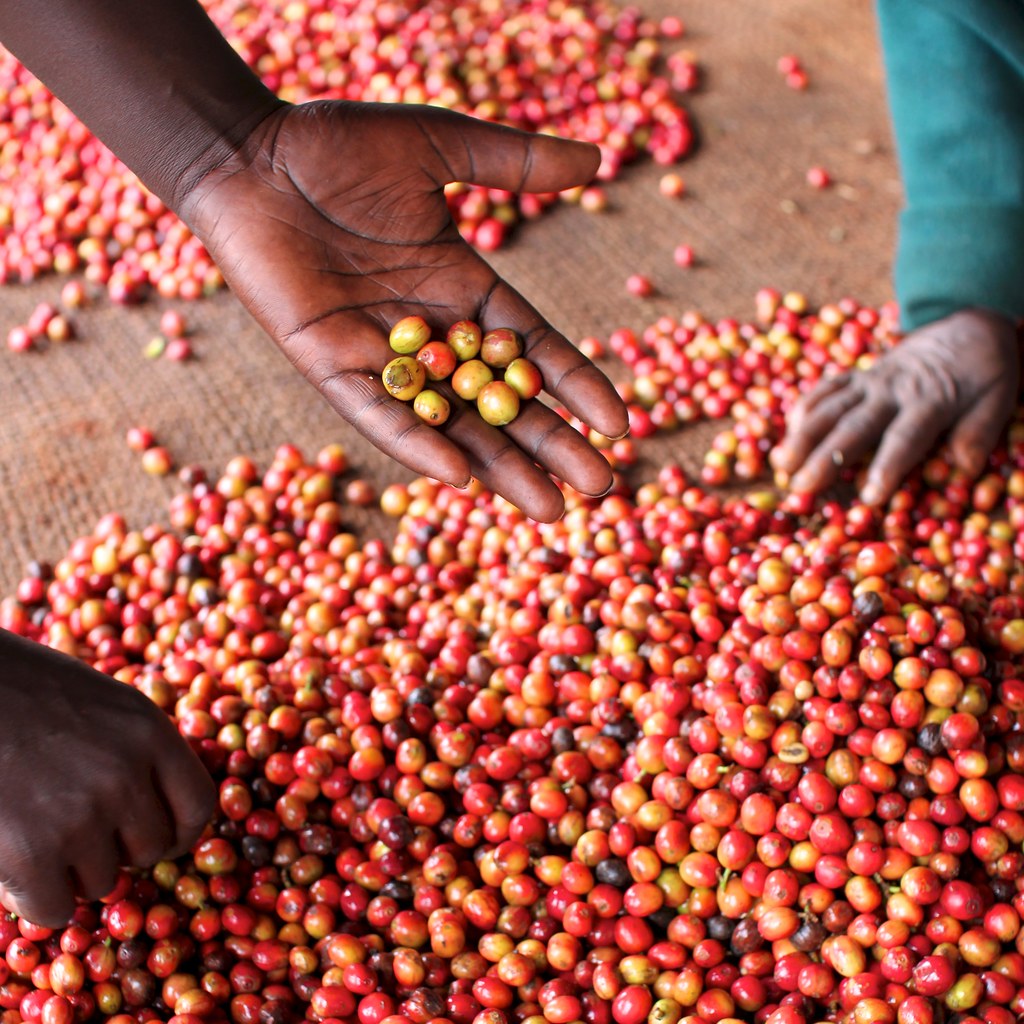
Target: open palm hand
column 330, row 223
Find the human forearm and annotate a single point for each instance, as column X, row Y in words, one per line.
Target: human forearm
column 155, row 80
column 329, row 221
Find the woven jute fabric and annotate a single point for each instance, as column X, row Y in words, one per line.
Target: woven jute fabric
column 748, row 213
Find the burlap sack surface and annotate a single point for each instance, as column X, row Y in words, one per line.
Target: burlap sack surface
column 749, row 214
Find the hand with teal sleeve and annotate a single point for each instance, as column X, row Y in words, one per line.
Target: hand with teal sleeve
column 955, row 74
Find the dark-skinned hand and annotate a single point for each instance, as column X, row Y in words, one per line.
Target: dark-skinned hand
column 94, row 776
column 330, row 223
column 957, row 376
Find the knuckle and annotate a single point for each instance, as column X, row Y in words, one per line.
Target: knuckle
column 916, row 431
column 197, row 810
column 820, row 422
column 52, row 912
column 540, row 342
column 875, row 387
column 145, row 852
column 494, row 457
column 827, row 384
column 543, row 439
column 101, row 883
column 572, row 374
column 376, row 416
column 356, row 391
column 928, row 385
column 867, row 418
column 330, row 377
column 149, row 732
column 18, row 852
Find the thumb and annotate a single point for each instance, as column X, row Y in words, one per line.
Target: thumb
column 52, row 908
column 972, row 439
column 497, row 156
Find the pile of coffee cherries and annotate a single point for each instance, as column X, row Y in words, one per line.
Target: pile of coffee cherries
column 467, row 356
column 688, row 369
column 579, row 68
column 673, row 758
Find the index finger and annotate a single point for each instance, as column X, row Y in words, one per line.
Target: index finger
column 568, row 374
column 393, row 427
column 183, row 786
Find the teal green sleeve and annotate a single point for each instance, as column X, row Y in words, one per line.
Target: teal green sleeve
column 955, row 74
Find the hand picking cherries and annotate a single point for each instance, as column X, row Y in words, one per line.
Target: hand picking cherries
column 675, row 758
column 686, row 369
column 469, row 358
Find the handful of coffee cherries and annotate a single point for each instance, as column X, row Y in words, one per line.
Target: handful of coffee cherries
column 470, row 360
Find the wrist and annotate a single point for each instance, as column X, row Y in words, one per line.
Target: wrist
column 210, row 146
column 982, row 317
column 156, row 82
column 996, row 317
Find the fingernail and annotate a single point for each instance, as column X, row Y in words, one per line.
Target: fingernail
column 871, row 493
column 973, row 460
column 779, row 456
column 803, row 481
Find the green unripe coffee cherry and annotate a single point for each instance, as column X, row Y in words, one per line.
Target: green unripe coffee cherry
column 431, row 407
column 409, row 335
column 497, row 403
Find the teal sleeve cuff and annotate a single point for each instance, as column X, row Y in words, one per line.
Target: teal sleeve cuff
column 941, row 267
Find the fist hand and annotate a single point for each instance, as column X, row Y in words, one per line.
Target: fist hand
column 93, row 777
